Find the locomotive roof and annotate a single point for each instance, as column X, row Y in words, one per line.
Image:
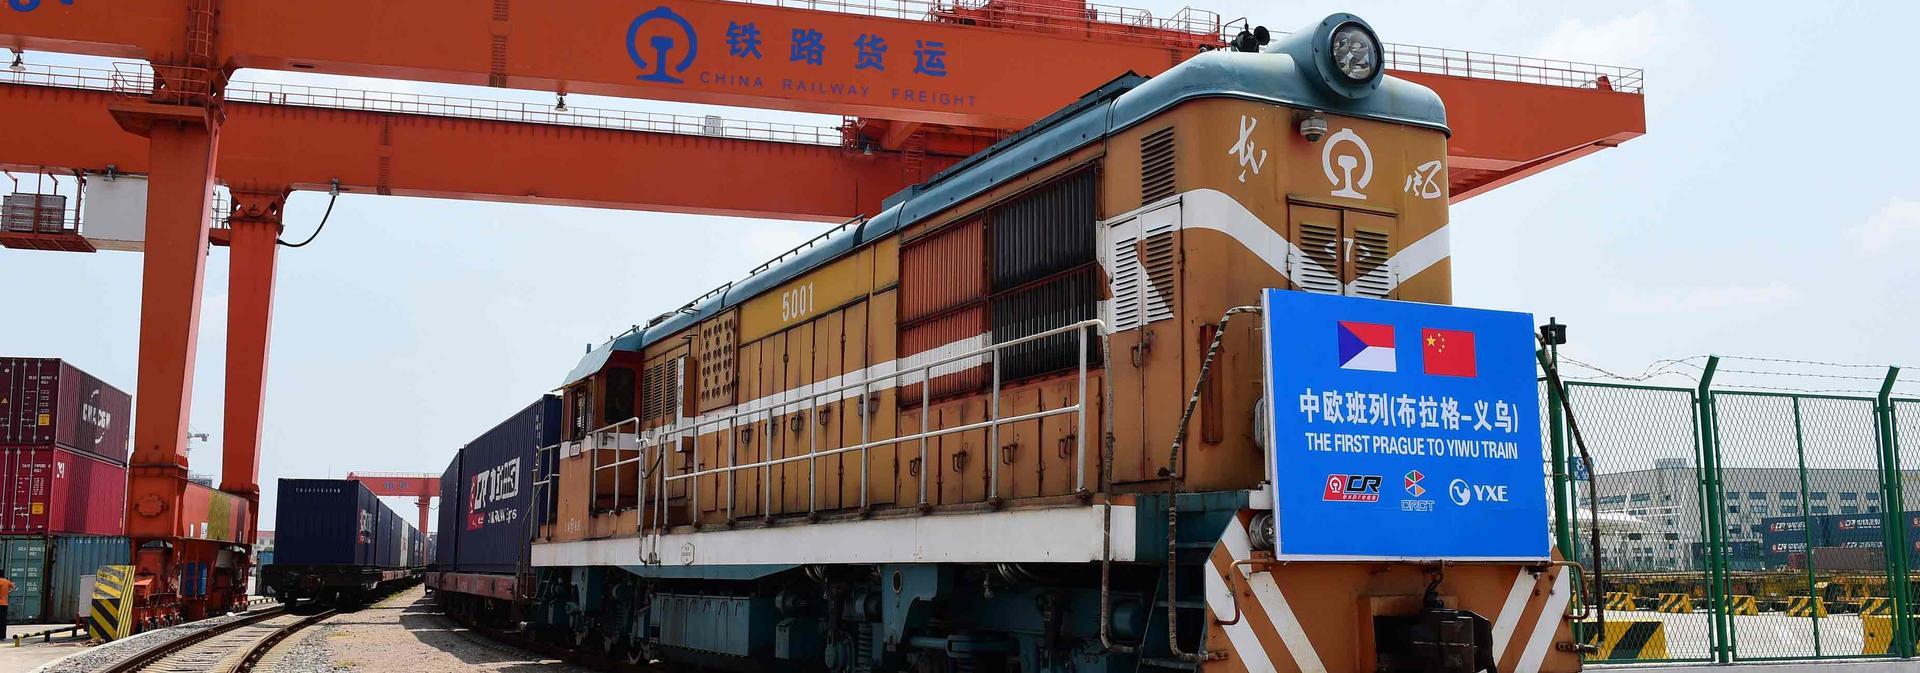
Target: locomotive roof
column 1130, row 99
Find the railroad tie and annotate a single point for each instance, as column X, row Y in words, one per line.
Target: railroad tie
column 1678, row 604
column 1630, row 640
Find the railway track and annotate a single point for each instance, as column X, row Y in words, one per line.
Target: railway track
column 228, row 648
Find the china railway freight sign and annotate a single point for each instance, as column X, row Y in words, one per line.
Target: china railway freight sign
column 1402, row 431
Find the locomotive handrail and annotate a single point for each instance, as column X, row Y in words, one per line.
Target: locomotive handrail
column 651, row 482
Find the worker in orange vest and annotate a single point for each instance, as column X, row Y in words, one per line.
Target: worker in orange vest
column 6, row 589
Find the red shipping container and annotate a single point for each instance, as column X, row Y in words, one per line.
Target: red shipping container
column 47, row 402
column 46, row 489
column 215, row 515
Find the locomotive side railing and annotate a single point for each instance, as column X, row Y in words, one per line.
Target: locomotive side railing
column 651, row 485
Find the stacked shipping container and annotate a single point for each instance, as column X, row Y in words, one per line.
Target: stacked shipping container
column 64, row 437
column 1837, row 541
column 63, row 450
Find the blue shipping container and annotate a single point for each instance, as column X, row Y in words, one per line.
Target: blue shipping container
column 492, row 494
column 445, row 540
column 49, row 574
column 338, row 522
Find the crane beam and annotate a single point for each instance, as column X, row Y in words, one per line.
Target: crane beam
column 270, row 148
column 922, row 64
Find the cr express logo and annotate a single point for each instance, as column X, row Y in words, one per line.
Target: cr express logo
column 493, row 485
column 1352, row 488
column 664, row 32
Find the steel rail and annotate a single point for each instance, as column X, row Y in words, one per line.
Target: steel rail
column 255, row 649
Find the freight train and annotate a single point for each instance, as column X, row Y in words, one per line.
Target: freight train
column 335, row 542
column 974, row 432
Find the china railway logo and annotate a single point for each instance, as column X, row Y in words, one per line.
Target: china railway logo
column 30, row 5
column 1360, row 158
column 665, row 32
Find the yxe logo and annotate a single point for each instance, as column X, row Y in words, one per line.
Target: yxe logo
column 1352, row 488
column 1463, row 493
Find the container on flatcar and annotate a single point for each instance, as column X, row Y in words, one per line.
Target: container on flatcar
column 326, row 522
column 50, row 573
column 49, row 402
column 49, row 489
column 210, row 514
column 446, row 541
column 488, row 529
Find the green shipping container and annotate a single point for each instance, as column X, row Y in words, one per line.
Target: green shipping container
column 26, row 566
column 49, row 574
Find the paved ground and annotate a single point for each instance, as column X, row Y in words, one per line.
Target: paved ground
column 401, row 635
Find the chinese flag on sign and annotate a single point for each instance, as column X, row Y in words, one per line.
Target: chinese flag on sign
column 1447, row 352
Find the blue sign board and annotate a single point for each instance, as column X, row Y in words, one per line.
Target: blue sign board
column 1402, row 431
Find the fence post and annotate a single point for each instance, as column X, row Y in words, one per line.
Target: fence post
column 1556, row 441
column 1893, row 485
column 1713, row 539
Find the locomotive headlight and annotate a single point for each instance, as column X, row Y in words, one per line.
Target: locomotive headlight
column 1355, row 52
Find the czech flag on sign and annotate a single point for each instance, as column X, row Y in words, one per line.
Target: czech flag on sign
column 1448, row 352
column 1366, row 346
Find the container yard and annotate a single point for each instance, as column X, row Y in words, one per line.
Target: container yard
column 997, row 336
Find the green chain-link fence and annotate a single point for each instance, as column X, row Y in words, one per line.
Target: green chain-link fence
column 1739, row 525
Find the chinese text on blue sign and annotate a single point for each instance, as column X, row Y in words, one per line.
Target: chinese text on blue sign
column 1402, row 430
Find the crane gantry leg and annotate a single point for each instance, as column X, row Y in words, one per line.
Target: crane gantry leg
column 182, row 143
column 254, row 249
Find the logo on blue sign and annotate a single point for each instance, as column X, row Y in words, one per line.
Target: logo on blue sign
column 1457, row 421
column 660, row 45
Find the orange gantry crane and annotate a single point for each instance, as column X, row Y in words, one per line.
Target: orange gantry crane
column 928, row 80
column 422, row 487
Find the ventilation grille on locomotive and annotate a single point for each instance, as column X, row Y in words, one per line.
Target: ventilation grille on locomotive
column 1156, row 166
column 1044, row 232
column 717, row 339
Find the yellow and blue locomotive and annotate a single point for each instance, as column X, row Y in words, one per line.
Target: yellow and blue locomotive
column 972, row 432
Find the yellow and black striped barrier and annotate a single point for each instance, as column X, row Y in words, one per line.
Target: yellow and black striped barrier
column 1677, row 604
column 1806, row 606
column 1876, row 605
column 1877, row 631
column 1621, row 600
column 1630, row 639
column 1743, row 605
column 112, row 615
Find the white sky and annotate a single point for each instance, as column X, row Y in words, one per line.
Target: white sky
column 1773, row 209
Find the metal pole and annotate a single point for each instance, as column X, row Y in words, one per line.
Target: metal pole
column 1806, row 515
column 993, row 432
column 813, row 463
column 1557, row 443
column 865, row 419
column 926, row 398
column 1899, row 548
column 1713, row 541
column 1080, row 418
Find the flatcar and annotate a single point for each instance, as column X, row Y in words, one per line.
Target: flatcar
column 971, row 432
column 335, row 542
column 486, row 514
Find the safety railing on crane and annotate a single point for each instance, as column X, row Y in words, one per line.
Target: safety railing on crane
column 1186, row 27
column 136, row 79
column 639, row 455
